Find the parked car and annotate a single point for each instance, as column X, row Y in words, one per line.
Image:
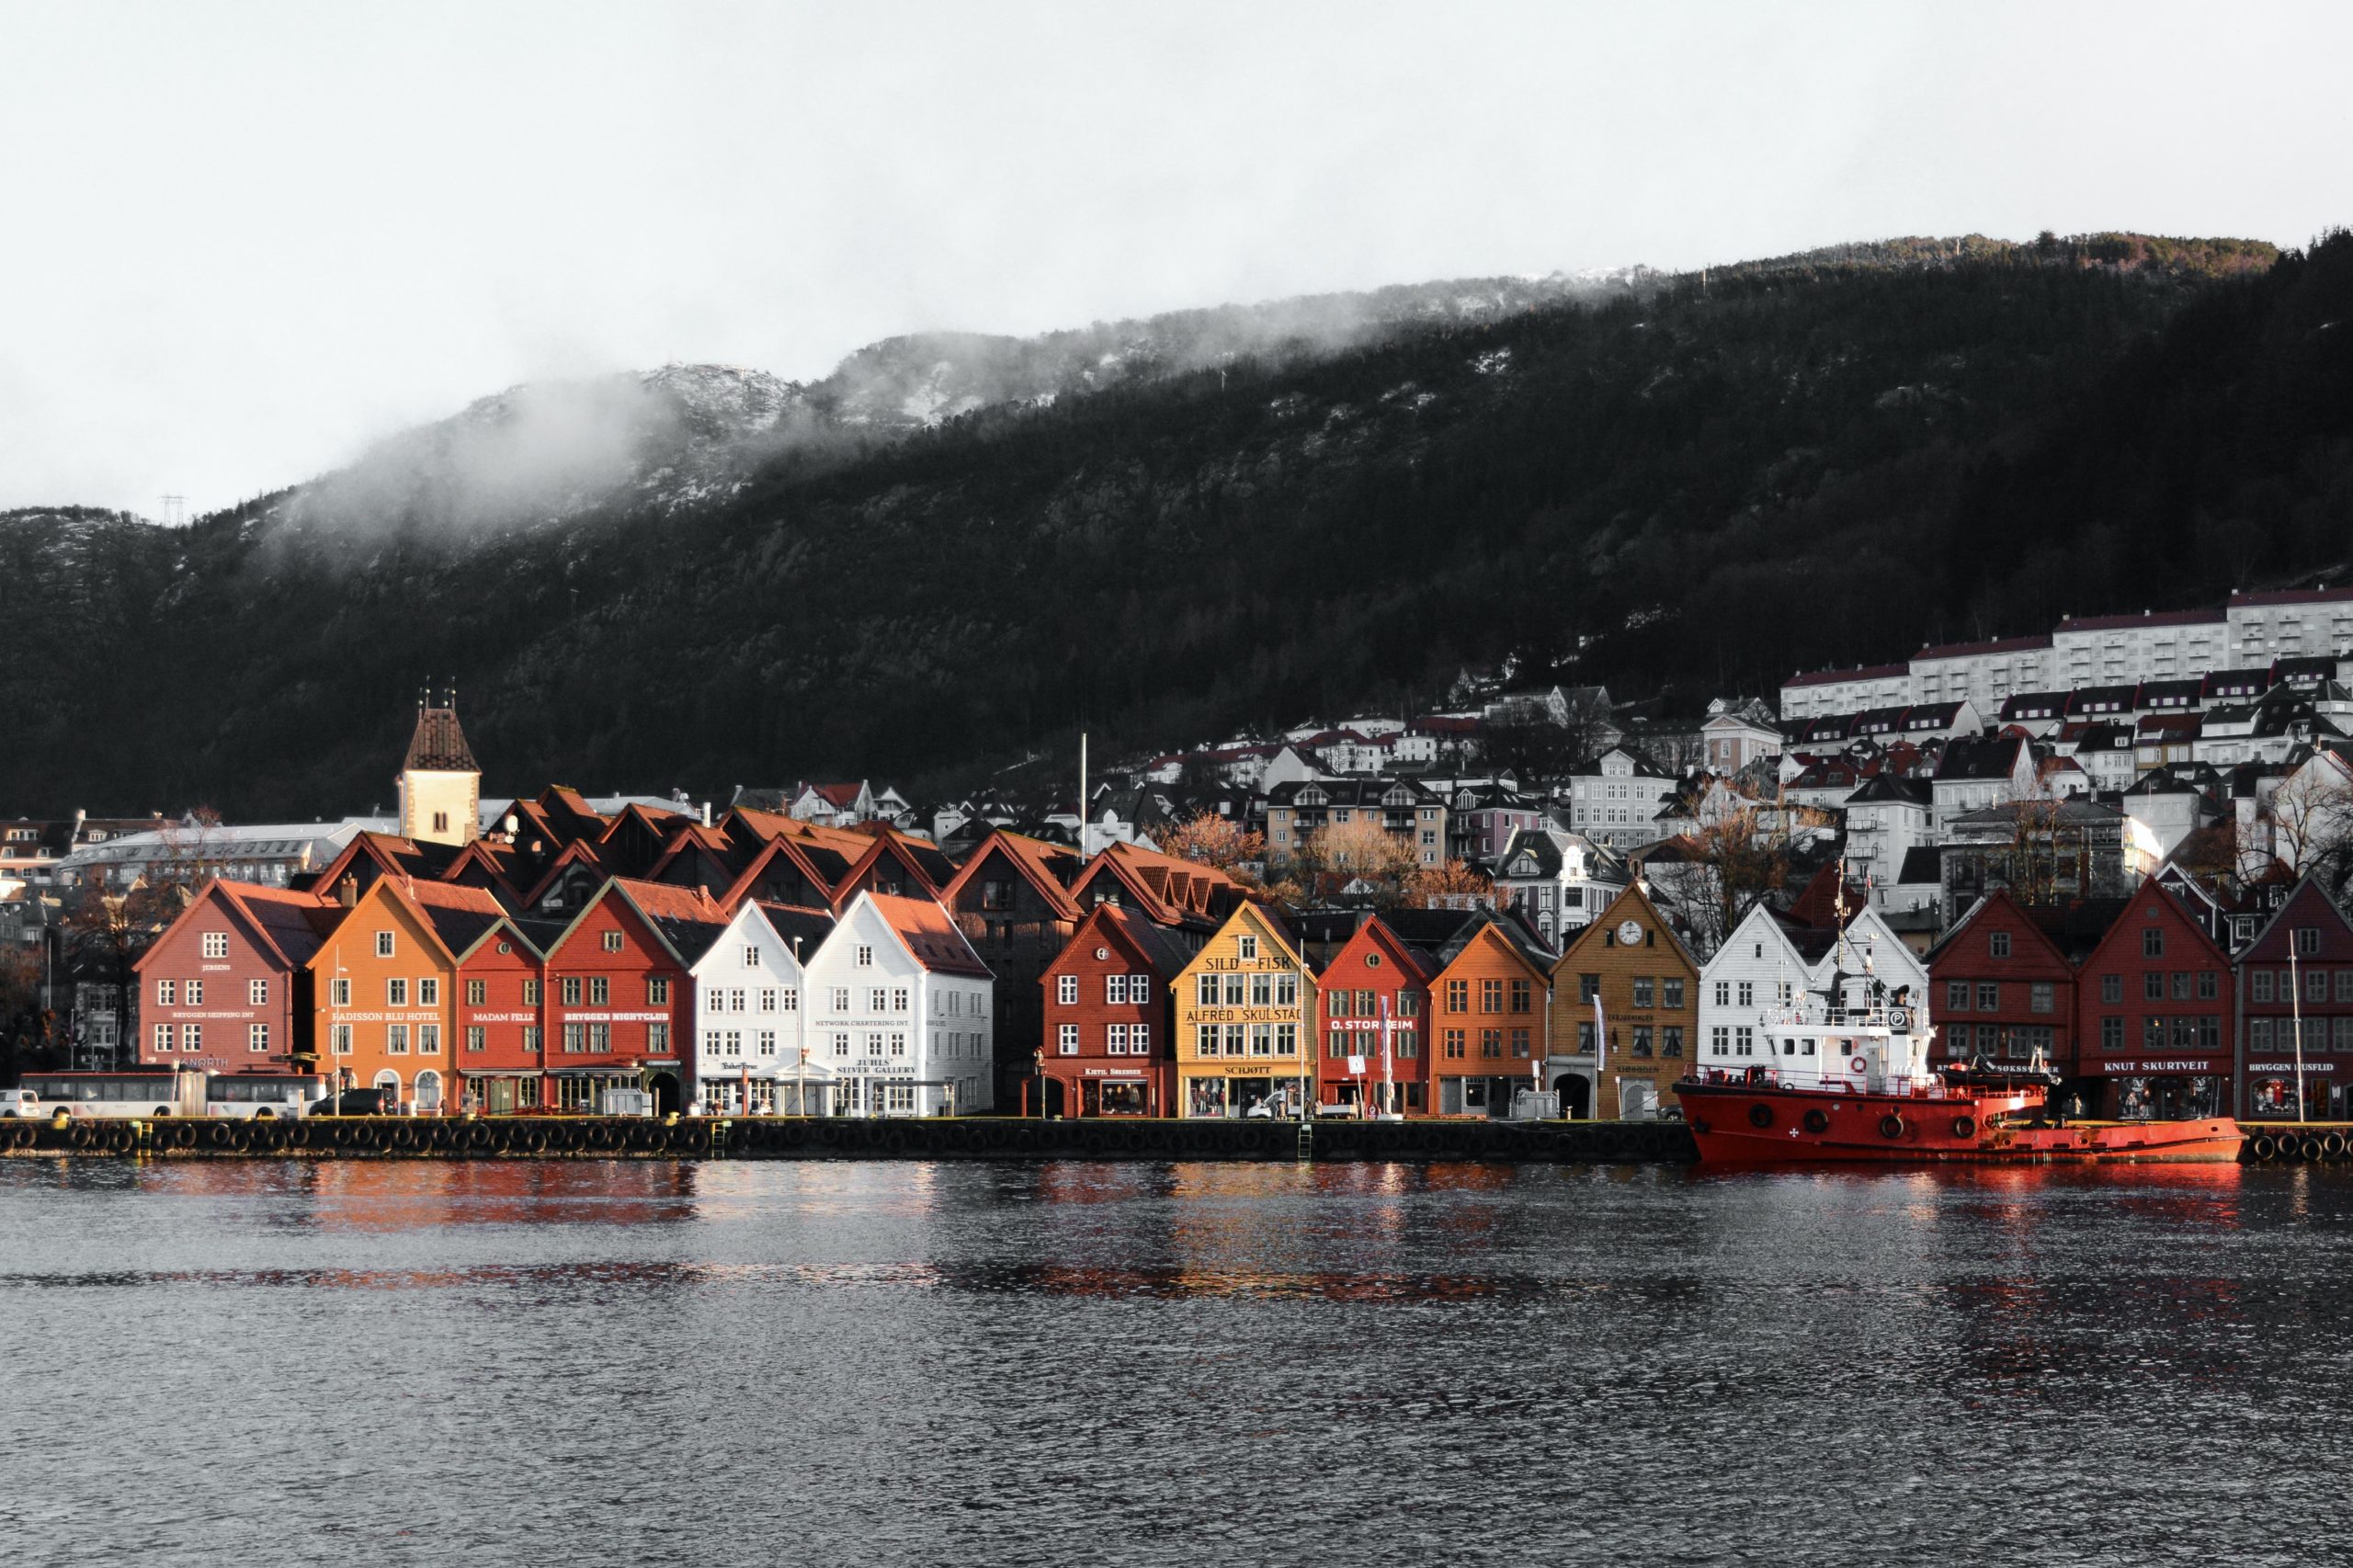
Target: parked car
column 351, row 1102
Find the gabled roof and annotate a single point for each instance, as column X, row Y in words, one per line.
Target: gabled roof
column 1889, row 787
column 684, row 920
column 927, row 932
column 459, row 915
column 1981, row 758
column 1165, row 888
column 1596, row 931
column 1817, row 906
column 1921, row 864
column 1154, row 944
column 1413, row 961
column 284, row 923
column 1041, row 865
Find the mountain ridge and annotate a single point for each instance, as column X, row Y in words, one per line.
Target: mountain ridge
column 1696, row 483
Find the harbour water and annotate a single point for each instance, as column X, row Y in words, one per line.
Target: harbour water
column 587, row 1363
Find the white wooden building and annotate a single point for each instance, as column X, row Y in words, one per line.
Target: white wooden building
column 752, row 1036
column 900, row 1010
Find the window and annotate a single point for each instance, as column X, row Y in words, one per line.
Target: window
column 216, row 944
column 657, row 992
column 898, row 1042
column 166, row 992
column 1588, row 987
column 428, row 993
column 600, row 991
column 767, row 1041
column 2153, row 986
column 1139, row 1040
column 1671, row 990
column 1645, row 991
column 1997, row 944
column 428, row 1039
column 2259, row 1034
column 396, row 992
column 878, row 999
column 1454, row 1045
column 2315, row 985
column 163, row 1037
column 1989, row 996
column 571, row 990
column 477, row 1037
column 1246, row 947
column 257, row 993
column 1336, row 1003
column 2260, row 982
column 1261, row 1040
column 195, row 993
column 1262, row 991
column 1491, row 995
column 2152, row 1034
column 477, row 993
column 2111, row 988
column 339, row 1039
column 1458, row 996
column 1409, row 1004
column 1723, row 993
column 1204, row 990
column 1670, row 1041
column 2111, row 1034
column 612, row 941
column 257, row 1036
column 383, row 944
column 1641, row 1040
column 1748, row 994
column 1205, row 1040
column 2153, row 943
column 531, row 992
column 1407, row 1044
column 2307, row 940
column 1957, row 996
column 2040, row 996
column 396, row 1040
column 1139, row 989
column 1491, row 1043
column 1115, row 1039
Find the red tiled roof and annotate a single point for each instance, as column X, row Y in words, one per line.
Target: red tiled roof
column 1861, row 672
column 930, row 935
column 1998, row 645
column 2120, row 622
column 439, row 746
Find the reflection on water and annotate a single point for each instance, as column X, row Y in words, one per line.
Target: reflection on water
column 888, row 1363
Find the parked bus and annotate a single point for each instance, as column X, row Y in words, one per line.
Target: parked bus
column 262, row 1095
column 144, row 1092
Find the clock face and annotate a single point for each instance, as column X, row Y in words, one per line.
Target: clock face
column 1630, row 931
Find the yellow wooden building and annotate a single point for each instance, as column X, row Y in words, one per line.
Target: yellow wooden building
column 1245, row 1006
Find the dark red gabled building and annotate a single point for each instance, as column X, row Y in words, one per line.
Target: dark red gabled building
column 2002, row 983
column 501, row 1046
column 621, row 994
column 2153, row 1003
column 1111, row 1018
column 2297, row 972
column 1374, row 990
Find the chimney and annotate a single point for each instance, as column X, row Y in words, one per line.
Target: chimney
column 347, row 891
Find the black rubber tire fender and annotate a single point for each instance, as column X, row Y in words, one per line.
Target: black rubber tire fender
column 1817, row 1120
column 1891, row 1127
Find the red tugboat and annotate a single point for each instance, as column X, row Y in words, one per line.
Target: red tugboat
column 1857, row 1086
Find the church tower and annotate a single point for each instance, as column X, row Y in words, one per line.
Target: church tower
column 440, row 782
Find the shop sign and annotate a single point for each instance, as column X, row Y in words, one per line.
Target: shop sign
column 1284, row 1015
column 2310, row 1066
column 1245, row 1070
column 2201, row 1066
column 658, row 1018
column 1113, row 1073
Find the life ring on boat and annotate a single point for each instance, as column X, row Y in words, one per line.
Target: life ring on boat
column 1760, row 1115
column 1891, row 1126
column 1858, row 1065
column 1817, row 1120
column 1964, row 1127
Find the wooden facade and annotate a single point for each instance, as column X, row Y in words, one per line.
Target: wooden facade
column 1245, row 1006
column 1648, row 986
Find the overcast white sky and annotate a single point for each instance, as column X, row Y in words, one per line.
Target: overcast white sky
column 238, row 241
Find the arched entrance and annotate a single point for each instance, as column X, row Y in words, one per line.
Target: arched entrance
column 429, row 1090
column 390, row 1082
column 664, row 1088
column 1577, row 1097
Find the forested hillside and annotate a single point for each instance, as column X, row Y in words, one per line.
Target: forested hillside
column 1694, row 484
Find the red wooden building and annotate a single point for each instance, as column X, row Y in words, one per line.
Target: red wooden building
column 1110, row 1022
column 226, row 988
column 2002, row 982
column 501, row 1058
column 2153, row 1022
column 2297, row 972
column 619, row 1006
column 1374, row 993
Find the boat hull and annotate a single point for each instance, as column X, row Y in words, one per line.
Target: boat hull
column 1754, row 1125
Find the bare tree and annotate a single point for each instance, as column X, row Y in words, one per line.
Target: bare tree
column 2311, row 818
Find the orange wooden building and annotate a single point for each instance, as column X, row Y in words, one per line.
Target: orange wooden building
column 1488, row 1020
column 385, row 984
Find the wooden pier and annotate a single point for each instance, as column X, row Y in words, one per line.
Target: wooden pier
column 799, row 1138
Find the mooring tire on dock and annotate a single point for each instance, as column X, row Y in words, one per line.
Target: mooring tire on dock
column 2260, row 1148
column 2332, row 1145
column 1609, row 1144
column 2308, row 1150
